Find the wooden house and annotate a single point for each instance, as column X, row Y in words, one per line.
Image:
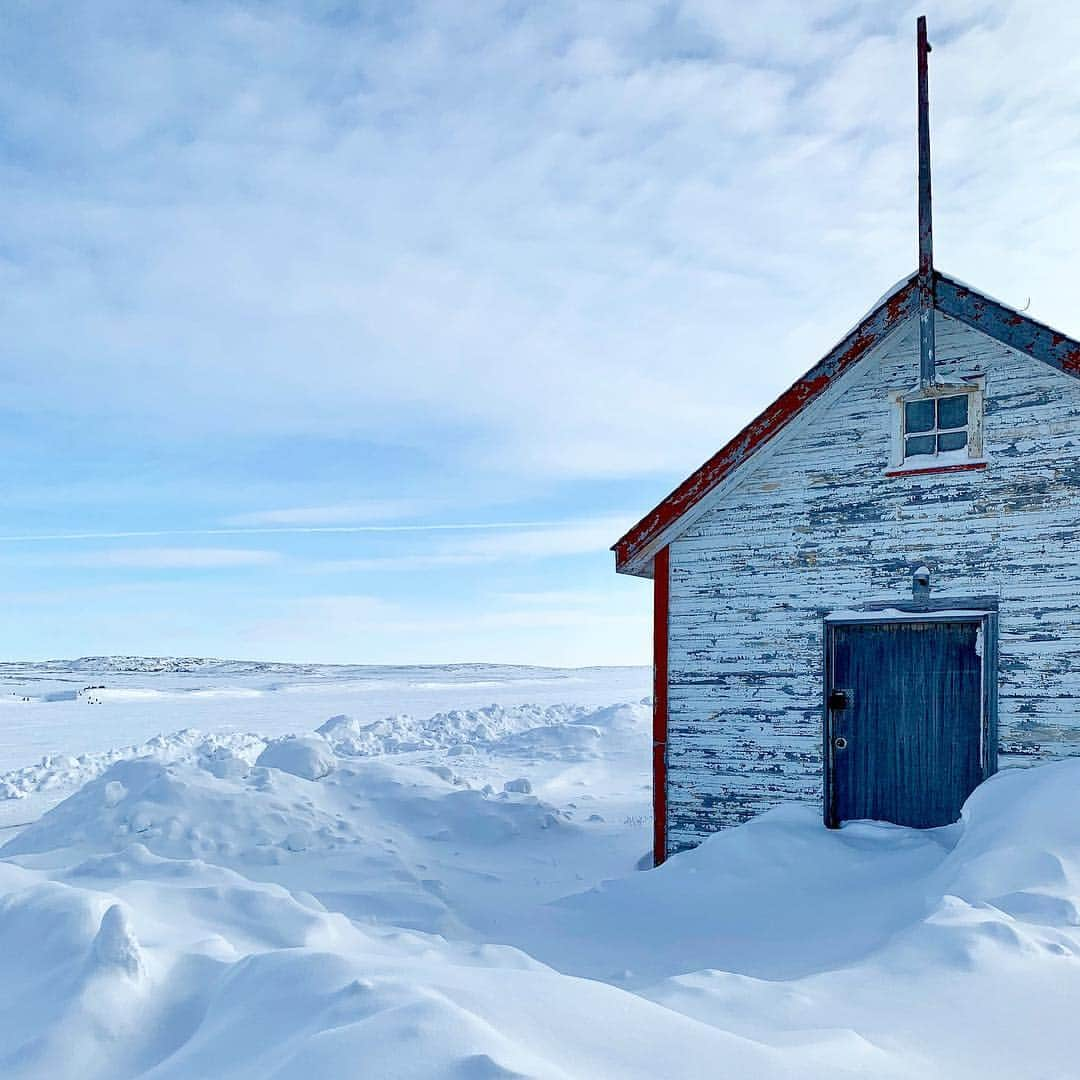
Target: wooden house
column 869, row 599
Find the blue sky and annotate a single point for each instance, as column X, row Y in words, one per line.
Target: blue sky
column 296, row 297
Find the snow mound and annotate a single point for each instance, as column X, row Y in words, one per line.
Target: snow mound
column 59, row 772
column 258, row 984
column 402, row 733
column 574, row 731
column 566, row 742
column 1013, row 859
column 306, row 756
column 590, row 737
column 402, row 844
column 1018, row 849
column 623, row 717
column 176, row 811
column 115, row 945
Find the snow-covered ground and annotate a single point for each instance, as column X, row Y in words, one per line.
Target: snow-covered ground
column 65, row 717
column 454, row 893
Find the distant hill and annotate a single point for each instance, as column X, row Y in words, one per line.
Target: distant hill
column 131, row 665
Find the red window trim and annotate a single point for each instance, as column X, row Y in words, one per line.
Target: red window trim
column 964, row 466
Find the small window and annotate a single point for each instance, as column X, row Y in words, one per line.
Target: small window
column 938, row 427
column 935, row 425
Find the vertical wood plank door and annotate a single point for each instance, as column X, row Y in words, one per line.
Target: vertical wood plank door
column 905, row 721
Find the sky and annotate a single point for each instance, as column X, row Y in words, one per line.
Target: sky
column 358, row 332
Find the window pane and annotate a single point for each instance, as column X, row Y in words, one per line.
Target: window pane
column 921, row 444
column 952, row 411
column 955, row 440
column 919, row 416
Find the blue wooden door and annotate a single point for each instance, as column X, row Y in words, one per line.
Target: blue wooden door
column 904, row 720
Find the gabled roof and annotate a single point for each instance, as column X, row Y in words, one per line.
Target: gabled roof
column 634, row 552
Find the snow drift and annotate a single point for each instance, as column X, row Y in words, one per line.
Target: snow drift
column 316, row 905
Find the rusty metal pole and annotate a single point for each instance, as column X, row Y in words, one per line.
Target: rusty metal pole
column 926, row 231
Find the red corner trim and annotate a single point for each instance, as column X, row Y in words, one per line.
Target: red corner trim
column 964, row 466
column 661, row 588
column 894, row 309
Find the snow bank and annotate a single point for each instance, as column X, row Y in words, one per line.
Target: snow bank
column 401, row 843
column 211, row 916
column 60, row 772
column 462, row 729
column 286, row 908
column 307, row 756
column 402, row 733
column 254, row 983
column 154, row 940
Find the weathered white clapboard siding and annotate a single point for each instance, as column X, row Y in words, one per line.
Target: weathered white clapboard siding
column 814, row 526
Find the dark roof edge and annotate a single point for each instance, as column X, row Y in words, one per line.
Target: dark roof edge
column 1006, row 324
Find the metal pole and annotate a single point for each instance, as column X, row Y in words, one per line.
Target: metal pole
column 926, row 231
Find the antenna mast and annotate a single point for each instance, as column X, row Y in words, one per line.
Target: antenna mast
column 926, row 230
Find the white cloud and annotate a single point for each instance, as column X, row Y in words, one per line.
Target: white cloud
column 594, row 248
column 291, row 530
column 358, row 513
column 366, row 629
column 541, row 541
column 597, row 599
column 170, row 558
column 395, row 563
column 566, row 538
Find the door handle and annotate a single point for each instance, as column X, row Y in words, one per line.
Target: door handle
column 840, row 742
column 841, row 699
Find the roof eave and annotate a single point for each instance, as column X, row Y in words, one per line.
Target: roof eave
column 1006, row 324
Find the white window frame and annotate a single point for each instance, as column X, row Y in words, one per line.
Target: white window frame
column 971, row 454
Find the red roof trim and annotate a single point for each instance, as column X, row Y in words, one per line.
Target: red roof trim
column 894, row 309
